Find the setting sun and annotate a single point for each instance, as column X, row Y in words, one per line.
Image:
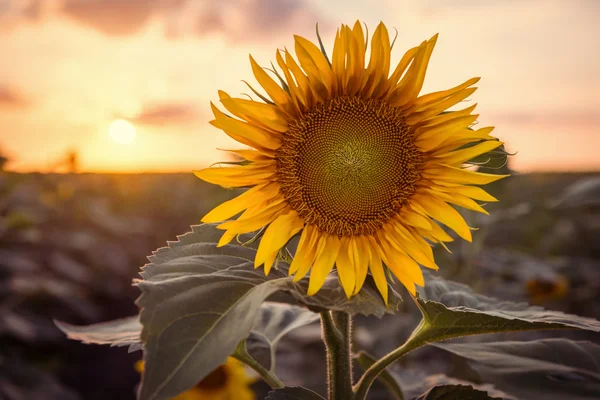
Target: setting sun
column 122, row 131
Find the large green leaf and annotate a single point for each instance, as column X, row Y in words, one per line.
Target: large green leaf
column 456, row 392
column 199, row 302
column 196, row 308
column 416, row 382
column 120, row 332
column 293, row 393
column 274, row 321
column 466, row 313
column 551, row 369
column 408, row 384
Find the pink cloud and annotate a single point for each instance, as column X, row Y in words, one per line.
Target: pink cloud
column 11, row 97
column 238, row 20
column 167, row 114
column 116, row 17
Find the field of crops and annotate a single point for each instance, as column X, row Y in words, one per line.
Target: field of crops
column 71, row 244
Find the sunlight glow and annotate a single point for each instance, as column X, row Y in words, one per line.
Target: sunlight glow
column 122, row 131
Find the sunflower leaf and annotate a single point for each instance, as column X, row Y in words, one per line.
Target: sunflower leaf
column 410, row 383
column 455, row 392
column 293, row 393
column 117, row 333
column 199, row 302
column 452, row 310
column 417, row 382
column 274, row 321
column 557, row 369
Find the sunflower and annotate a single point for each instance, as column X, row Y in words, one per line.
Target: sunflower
column 348, row 155
column 228, row 382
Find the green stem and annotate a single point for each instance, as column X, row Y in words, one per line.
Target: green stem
column 269, row 377
column 414, row 341
column 337, row 337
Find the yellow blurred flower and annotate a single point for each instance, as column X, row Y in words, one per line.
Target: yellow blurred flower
column 346, row 152
column 542, row 290
column 228, row 382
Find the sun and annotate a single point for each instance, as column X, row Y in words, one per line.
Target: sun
column 122, row 131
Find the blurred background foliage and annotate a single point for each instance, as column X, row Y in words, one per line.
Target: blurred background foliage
column 70, row 245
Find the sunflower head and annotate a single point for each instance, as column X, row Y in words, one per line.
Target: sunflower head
column 227, row 382
column 347, row 154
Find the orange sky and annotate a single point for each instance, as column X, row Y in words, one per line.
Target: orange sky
column 71, row 67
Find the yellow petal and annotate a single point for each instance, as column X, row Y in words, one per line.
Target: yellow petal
column 251, row 155
column 415, row 219
column 315, row 65
column 379, row 62
column 445, row 214
column 402, row 65
column 247, row 175
column 438, row 119
column 302, row 80
column 356, row 59
column 345, row 268
column 430, row 137
column 404, row 241
column 276, row 236
column 411, row 84
column 436, row 108
column 458, row 157
column 461, row 138
column 376, row 268
column 243, row 114
column 360, row 247
column 439, row 234
column 266, row 114
column 431, row 98
column 295, row 92
column 420, row 244
column 473, row 192
column 275, row 92
column 408, row 283
column 226, row 238
column 304, row 256
column 459, row 200
column 402, row 265
column 257, row 221
column 247, row 199
column 323, row 264
column 338, row 58
column 244, row 132
column 457, row 175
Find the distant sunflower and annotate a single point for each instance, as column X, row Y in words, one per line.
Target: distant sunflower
column 228, row 382
column 354, row 159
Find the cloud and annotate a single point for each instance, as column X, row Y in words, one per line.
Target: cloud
column 116, row 17
column 238, row 20
column 547, row 118
column 167, row 114
column 13, row 12
column 10, row 97
column 244, row 20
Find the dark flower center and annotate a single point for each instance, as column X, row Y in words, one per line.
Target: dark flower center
column 349, row 165
column 215, row 380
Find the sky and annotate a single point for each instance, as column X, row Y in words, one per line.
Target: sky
column 70, row 68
